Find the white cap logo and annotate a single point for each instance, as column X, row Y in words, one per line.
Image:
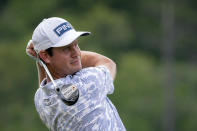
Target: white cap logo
column 62, row 28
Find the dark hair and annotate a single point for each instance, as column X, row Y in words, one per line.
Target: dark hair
column 50, row 51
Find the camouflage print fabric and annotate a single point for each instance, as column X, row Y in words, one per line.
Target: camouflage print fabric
column 93, row 110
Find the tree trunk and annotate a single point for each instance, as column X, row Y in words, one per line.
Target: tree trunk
column 168, row 43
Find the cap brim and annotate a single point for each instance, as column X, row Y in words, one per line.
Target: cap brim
column 70, row 38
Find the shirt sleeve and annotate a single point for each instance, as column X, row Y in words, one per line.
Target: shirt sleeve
column 99, row 75
column 108, row 81
column 38, row 105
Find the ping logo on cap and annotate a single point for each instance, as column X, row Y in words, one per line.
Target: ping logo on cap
column 62, row 28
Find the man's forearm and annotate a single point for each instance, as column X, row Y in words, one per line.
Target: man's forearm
column 41, row 73
column 91, row 59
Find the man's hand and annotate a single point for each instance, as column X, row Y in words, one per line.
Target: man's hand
column 30, row 50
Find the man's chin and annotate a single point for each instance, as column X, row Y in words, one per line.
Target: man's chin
column 76, row 69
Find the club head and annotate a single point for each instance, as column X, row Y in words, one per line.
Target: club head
column 68, row 93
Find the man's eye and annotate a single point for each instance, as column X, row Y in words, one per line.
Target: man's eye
column 65, row 49
column 76, row 45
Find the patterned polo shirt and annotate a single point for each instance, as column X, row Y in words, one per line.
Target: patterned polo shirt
column 92, row 112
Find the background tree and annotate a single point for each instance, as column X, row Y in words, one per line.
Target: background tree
column 154, row 48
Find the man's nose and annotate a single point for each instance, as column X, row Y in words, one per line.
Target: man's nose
column 74, row 51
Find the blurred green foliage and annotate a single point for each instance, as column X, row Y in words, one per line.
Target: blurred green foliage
column 129, row 32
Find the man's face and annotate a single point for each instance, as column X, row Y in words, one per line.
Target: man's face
column 65, row 60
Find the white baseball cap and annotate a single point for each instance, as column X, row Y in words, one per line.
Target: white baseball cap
column 54, row 32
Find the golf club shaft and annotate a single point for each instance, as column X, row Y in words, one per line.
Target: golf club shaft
column 48, row 73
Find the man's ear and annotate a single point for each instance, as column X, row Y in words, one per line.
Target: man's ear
column 44, row 56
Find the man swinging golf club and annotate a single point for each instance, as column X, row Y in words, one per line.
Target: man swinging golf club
column 73, row 84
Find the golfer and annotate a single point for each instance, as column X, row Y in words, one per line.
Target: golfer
column 84, row 79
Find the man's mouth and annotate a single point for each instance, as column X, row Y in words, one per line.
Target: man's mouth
column 76, row 61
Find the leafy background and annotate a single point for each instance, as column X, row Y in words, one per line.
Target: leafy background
column 153, row 42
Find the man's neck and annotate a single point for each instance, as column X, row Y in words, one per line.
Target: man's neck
column 55, row 77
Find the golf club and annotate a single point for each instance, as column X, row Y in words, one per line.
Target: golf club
column 68, row 93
